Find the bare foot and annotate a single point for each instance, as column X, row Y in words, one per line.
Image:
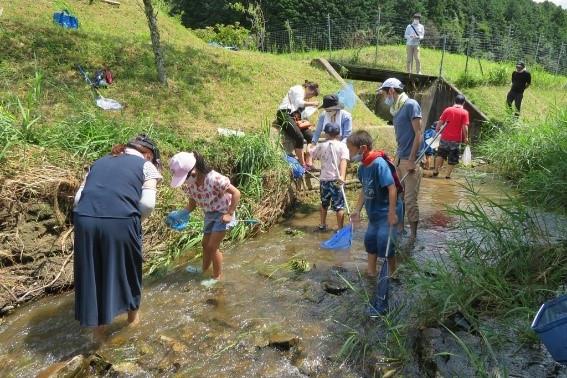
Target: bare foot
column 133, row 318
column 371, row 274
column 99, row 334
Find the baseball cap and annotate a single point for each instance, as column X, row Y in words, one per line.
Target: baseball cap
column 180, row 165
column 391, row 83
column 521, row 64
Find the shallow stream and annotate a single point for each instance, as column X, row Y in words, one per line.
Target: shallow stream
column 262, row 320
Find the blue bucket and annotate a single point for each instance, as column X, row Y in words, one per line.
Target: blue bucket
column 550, row 324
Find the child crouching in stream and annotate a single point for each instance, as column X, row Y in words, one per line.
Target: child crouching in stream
column 212, row 192
column 379, row 196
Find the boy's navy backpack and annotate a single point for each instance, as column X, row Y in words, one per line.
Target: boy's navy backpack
column 393, row 171
column 66, row 19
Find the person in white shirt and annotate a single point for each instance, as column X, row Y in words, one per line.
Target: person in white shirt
column 334, row 156
column 413, row 35
column 336, row 115
column 297, row 98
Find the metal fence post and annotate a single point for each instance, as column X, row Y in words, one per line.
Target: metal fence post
column 443, row 55
column 559, row 58
column 329, row 33
column 377, row 33
column 469, row 45
column 537, row 47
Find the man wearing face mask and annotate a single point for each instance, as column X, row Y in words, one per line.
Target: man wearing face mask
column 409, row 135
column 413, row 35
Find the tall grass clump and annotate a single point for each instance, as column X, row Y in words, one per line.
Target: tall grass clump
column 503, row 265
column 533, row 157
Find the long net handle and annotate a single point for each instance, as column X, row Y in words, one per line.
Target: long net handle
column 422, row 154
column 389, row 239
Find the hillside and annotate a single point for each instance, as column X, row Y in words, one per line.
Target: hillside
column 486, row 85
column 50, row 128
column 208, row 87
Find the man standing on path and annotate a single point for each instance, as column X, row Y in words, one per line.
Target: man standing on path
column 413, row 35
column 409, row 136
column 454, row 122
column 521, row 80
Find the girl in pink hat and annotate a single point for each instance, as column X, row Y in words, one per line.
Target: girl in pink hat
column 212, row 192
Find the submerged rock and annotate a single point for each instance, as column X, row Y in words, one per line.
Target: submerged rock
column 78, row 366
column 67, row 369
column 127, row 369
column 283, row 341
column 334, row 287
column 175, row 345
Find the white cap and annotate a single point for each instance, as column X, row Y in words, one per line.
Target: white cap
column 391, row 83
column 180, row 165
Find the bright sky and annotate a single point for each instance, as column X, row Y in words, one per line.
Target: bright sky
column 563, row 3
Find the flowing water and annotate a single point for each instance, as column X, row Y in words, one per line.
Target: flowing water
column 263, row 320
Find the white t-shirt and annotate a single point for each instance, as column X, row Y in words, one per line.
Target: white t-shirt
column 294, row 99
column 410, row 34
column 329, row 162
column 150, row 170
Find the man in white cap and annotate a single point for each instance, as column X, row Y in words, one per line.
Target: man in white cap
column 413, row 35
column 409, row 135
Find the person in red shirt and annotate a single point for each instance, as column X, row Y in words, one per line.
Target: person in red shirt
column 455, row 120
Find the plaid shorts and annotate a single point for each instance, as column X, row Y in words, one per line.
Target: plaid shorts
column 331, row 195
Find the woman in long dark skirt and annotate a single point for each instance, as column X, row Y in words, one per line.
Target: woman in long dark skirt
column 118, row 192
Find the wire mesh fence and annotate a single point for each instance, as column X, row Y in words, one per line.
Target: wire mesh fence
column 367, row 43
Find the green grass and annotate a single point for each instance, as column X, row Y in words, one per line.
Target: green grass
column 533, row 157
column 490, row 85
column 208, row 87
column 503, row 266
column 47, row 110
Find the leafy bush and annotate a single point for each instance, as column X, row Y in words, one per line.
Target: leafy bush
column 469, row 81
column 226, row 35
column 499, row 75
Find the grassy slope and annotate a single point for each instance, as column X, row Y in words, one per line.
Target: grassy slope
column 208, row 87
column 547, row 92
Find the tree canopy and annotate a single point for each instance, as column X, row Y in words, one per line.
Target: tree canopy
column 528, row 20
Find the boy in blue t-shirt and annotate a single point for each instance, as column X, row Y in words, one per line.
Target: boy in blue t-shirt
column 379, row 196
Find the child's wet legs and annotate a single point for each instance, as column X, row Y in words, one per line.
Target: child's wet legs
column 371, row 270
column 392, row 265
column 212, row 254
column 340, row 218
column 323, row 217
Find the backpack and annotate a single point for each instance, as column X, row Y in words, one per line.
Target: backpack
column 393, row 170
column 108, row 76
column 99, row 80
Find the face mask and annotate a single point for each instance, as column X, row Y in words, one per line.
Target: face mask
column 357, row 157
column 416, row 21
column 389, row 101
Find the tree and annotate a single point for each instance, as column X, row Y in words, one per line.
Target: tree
column 151, row 15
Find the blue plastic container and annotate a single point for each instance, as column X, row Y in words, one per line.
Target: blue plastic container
column 550, row 324
column 66, row 20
